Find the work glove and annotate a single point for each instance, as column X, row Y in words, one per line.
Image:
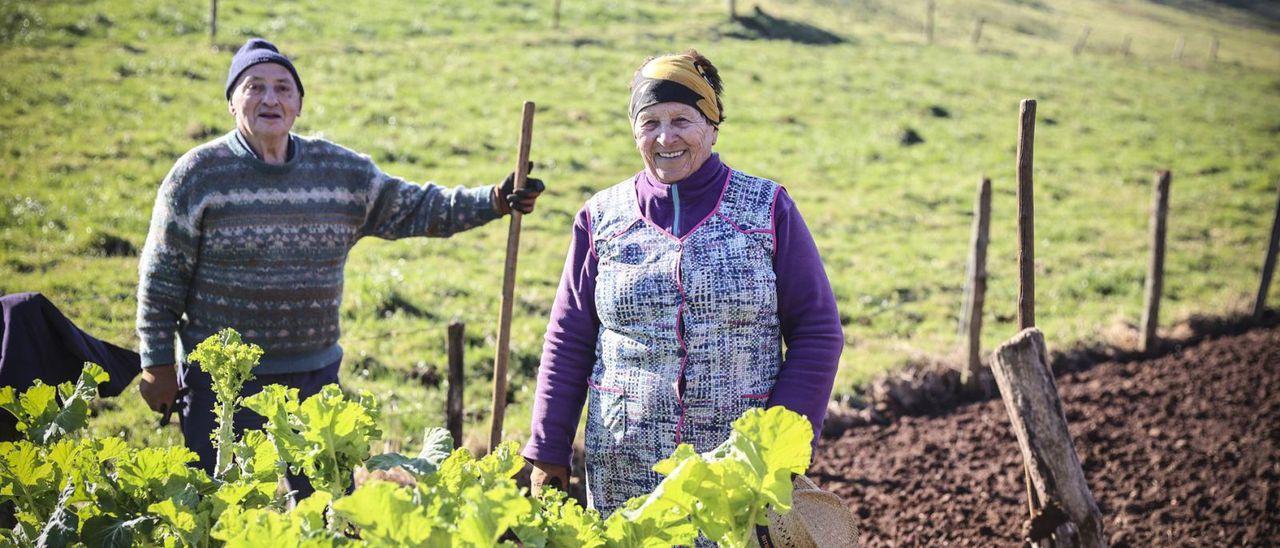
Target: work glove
column 507, row 198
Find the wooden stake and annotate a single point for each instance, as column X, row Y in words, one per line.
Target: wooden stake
column 976, row 287
column 733, row 9
column 1026, row 217
column 509, row 285
column 1035, row 411
column 1177, row 48
column 977, row 31
column 1155, row 268
column 453, row 405
column 1080, row 42
column 1124, row 49
column 213, row 22
column 1213, row 50
column 928, row 25
column 1269, row 265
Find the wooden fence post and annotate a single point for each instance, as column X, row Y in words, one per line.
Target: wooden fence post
column 928, row 22
column 976, row 287
column 555, row 15
column 453, row 404
column 1030, row 397
column 1026, row 217
column 1178, row 47
column 1080, row 42
column 1269, row 265
column 977, row 31
column 1124, row 49
column 1155, row 268
column 213, row 22
column 1213, row 51
column 733, row 9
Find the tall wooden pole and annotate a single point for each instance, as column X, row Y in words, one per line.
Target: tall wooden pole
column 1155, row 268
column 1080, row 42
column 509, row 285
column 928, row 24
column 213, row 22
column 976, row 37
column 976, row 290
column 454, row 405
column 1026, row 218
column 1269, row 265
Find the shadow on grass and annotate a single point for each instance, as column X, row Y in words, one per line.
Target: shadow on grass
column 762, row 26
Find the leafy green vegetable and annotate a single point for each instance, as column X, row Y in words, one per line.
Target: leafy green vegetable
column 229, row 362
column 39, row 415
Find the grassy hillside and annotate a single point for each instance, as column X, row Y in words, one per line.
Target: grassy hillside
column 98, row 98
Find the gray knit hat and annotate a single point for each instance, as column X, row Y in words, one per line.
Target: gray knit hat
column 253, row 52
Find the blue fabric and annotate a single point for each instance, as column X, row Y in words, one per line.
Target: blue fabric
column 198, row 420
column 39, row 342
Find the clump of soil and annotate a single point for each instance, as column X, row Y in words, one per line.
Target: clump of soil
column 1177, row 450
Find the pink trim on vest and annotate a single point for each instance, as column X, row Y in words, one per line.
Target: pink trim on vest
column 723, row 188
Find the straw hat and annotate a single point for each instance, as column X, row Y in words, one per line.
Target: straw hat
column 818, row 519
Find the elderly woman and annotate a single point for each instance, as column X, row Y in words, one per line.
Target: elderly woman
column 682, row 287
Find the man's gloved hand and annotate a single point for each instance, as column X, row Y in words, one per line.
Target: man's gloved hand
column 159, row 387
column 506, row 198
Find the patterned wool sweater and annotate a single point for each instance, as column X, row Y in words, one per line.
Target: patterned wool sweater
column 237, row 242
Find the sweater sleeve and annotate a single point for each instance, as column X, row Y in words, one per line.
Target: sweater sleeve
column 166, row 266
column 568, row 353
column 810, row 323
column 400, row 209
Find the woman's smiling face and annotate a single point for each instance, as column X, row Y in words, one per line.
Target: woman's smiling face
column 674, row 139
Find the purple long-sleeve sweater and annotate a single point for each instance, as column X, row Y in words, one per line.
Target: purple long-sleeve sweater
column 806, row 309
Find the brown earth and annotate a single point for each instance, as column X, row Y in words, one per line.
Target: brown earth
column 1178, row 450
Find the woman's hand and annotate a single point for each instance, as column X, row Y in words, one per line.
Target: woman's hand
column 550, row 475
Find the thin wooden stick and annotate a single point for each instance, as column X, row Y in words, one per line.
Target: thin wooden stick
column 928, row 25
column 1269, row 265
column 976, row 290
column 1124, row 50
column 1080, row 42
column 1026, row 217
column 977, row 31
column 509, row 285
column 213, row 22
column 1177, row 48
column 1155, row 268
column 453, row 404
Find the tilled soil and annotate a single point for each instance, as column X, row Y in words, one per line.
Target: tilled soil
column 1179, row 450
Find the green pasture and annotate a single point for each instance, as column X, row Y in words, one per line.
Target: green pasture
column 98, row 98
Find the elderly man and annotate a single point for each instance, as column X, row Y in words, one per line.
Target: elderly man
column 252, row 231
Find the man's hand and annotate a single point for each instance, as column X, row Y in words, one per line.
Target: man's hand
column 550, row 475
column 506, row 197
column 159, row 387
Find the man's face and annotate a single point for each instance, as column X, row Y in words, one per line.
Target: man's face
column 265, row 101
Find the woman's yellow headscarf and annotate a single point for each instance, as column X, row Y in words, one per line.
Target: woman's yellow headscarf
column 674, row 78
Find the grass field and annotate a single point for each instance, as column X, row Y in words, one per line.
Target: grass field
column 98, row 98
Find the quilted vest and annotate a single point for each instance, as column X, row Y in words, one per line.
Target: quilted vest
column 689, row 335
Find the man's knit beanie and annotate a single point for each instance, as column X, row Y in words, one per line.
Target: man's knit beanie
column 256, row 51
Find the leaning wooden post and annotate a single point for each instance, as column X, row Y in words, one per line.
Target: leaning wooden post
column 976, row 289
column 1269, row 265
column 1124, row 49
column 1035, row 411
column 453, row 404
column 977, row 31
column 1026, row 217
column 1080, row 42
column 509, row 285
column 1155, row 268
column 213, row 22
column 928, row 22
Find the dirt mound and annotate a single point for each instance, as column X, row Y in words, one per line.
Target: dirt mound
column 1178, row 450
